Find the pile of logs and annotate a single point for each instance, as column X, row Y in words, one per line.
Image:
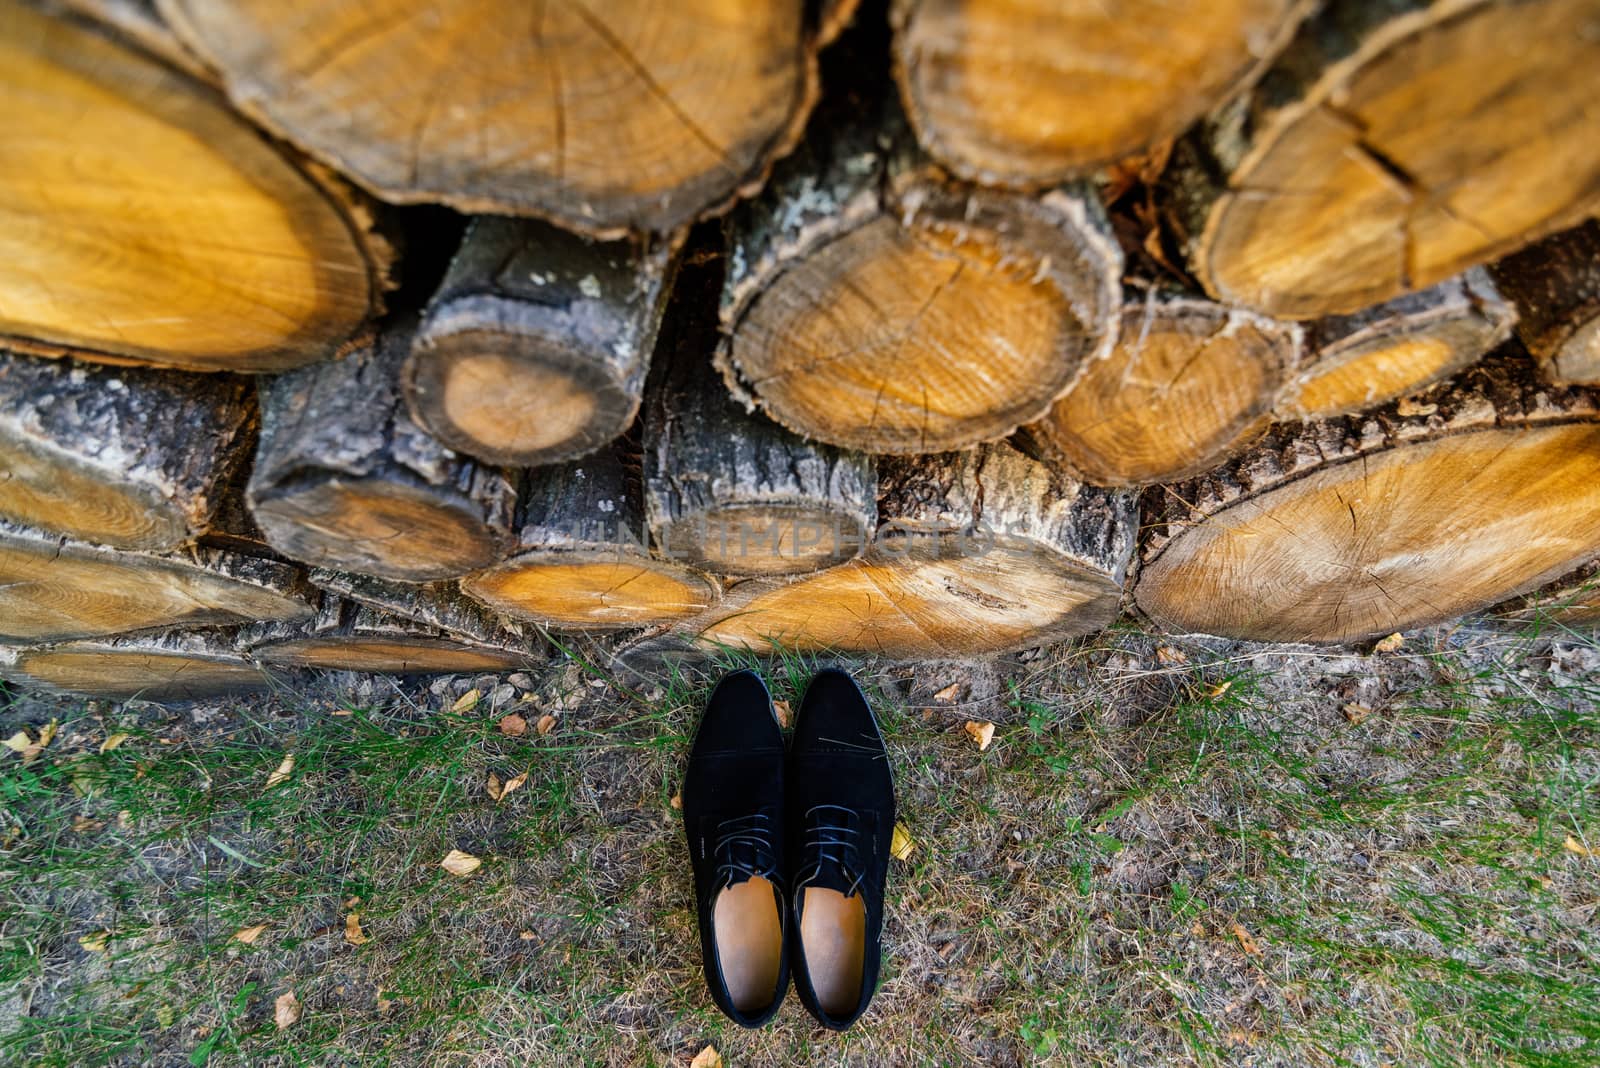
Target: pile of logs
column 412, row 337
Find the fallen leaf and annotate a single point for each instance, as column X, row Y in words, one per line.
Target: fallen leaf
column 513, row 725
column 351, row 902
column 707, row 1058
column 1220, row 688
column 47, row 733
column 1355, row 713
column 677, row 802
column 286, row 1010
column 112, row 741
column 1390, row 644
column 526, row 936
column 901, row 844
column 467, row 701
column 982, row 733
column 1409, row 407
column 458, row 863
column 1166, row 654
column 19, row 742
column 512, row 785
column 23, row 744
column 780, row 712
column 493, row 787
column 248, row 935
column 1572, row 845
column 95, row 943
column 1246, row 942
column 949, row 693
column 353, row 933
column 281, row 773
column 84, row 825
column 546, row 724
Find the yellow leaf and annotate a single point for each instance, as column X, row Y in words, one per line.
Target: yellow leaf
column 1220, row 688
column 546, row 724
column 112, row 741
column 1390, row 644
column 1572, row 845
column 949, row 693
column 707, row 1058
column 467, row 701
column 286, row 1010
column 526, row 936
column 512, row 785
column 493, row 787
column 19, row 742
column 248, row 935
column 1356, row 713
column 352, row 930
column 95, row 943
column 1246, row 941
column 981, row 733
column 513, row 725
column 47, row 733
column 677, row 802
column 281, row 773
column 902, row 845
column 458, row 863
column 85, row 825
column 781, row 712
column 1166, row 654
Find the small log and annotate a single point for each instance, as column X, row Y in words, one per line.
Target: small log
column 349, row 637
column 1397, row 348
column 1189, row 384
column 1415, row 514
column 1031, row 92
column 1390, row 147
column 981, row 551
column 177, row 236
column 53, row 589
column 345, row 479
column 731, row 491
column 438, row 605
column 1556, row 288
column 873, row 303
column 536, row 346
column 582, row 560
column 602, row 118
column 161, row 667
column 123, row 457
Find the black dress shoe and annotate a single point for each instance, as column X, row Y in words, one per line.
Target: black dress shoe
column 733, row 819
column 840, row 821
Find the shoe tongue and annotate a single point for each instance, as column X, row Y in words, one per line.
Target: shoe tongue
column 831, row 876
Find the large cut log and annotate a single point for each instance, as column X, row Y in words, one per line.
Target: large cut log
column 345, row 479
column 52, row 589
column 601, row 117
column 1397, row 348
column 1030, row 92
column 123, row 457
column 1391, row 146
column 145, row 222
column 162, row 667
column 1556, row 287
column 981, row 551
column 873, row 303
column 536, row 346
column 1188, row 384
column 349, row 637
column 1421, row 512
column 582, row 560
column 731, row 491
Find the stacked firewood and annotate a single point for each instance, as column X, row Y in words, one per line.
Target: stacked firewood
column 402, row 337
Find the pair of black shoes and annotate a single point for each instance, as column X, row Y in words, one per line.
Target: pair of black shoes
column 790, row 851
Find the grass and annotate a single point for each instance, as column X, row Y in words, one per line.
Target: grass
column 1195, row 853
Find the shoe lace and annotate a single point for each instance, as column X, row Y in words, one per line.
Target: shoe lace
column 743, row 847
column 833, row 837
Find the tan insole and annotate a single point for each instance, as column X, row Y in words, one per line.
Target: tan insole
column 749, row 942
column 833, row 934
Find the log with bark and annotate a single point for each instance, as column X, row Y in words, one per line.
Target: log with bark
column 345, row 636
column 53, row 589
column 438, row 605
column 1390, row 147
column 1397, row 348
column 1571, row 601
column 163, row 667
column 536, row 346
column 345, row 479
column 872, row 302
column 145, row 222
column 1188, row 384
column 119, row 456
column 980, row 552
column 1556, row 288
column 627, row 115
column 582, row 560
column 1030, row 92
column 1334, row 531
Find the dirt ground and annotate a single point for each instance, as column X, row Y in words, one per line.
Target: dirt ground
column 1173, row 852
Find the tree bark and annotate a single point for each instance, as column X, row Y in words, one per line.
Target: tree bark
column 178, row 236
column 582, row 560
column 346, row 636
column 601, row 118
column 1556, row 288
column 873, row 303
column 536, row 346
column 1397, row 348
column 438, row 605
column 53, row 589
column 345, row 479
column 1571, row 601
column 1189, row 384
column 161, row 667
column 1390, row 147
column 124, row 457
column 1334, row 531
column 1028, row 93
